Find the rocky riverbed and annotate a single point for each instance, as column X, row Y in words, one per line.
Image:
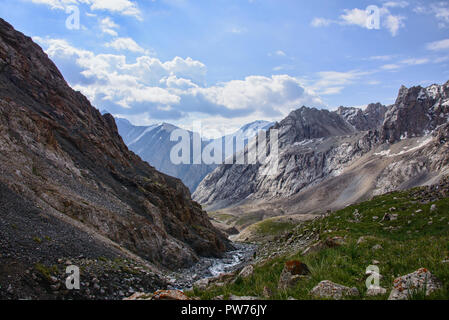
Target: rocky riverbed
column 210, row 267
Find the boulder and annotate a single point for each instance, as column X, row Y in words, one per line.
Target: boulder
column 321, row 245
column 169, row 295
column 267, row 292
column 327, row 289
column 293, row 271
column 246, row 272
column 244, row 298
column 139, row 296
column 416, row 282
column 375, row 291
column 201, row 284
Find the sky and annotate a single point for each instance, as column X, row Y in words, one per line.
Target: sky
column 230, row 62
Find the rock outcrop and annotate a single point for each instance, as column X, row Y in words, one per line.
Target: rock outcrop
column 328, row 160
column 417, row 111
column 329, row 290
column 418, row 283
column 60, row 154
column 363, row 120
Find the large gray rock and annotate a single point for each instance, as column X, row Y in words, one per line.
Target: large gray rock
column 327, row 289
column 414, row 283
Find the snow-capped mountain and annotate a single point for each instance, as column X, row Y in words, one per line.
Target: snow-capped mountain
column 328, row 160
column 152, row 144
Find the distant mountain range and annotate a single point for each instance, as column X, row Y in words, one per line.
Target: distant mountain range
column 328, row 160
column 66, row 173
column 152, row 144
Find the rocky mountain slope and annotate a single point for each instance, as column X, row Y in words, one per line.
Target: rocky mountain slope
column 331, row 159
column 60, row 155
column 152, row 144
column 400, row 238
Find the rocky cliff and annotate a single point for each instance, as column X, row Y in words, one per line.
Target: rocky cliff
column 328, row 160
column 60, row 154
column 153, row 144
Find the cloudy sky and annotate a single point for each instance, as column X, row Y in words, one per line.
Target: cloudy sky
column 230, row 62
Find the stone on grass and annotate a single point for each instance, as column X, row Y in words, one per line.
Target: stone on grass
column 246, row 272
column 201, row 284
column 245, row 298
column 414, row 283
column 375, row 291
column 328, row 290
column 139, row 296
column 291, row 274
column 169, row 295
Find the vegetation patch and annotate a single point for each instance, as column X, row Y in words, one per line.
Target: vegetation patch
column 399, row 232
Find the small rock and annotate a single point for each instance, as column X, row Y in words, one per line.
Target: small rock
column 377, row 247
column 139, row 296
column 375, row 291
column 55, row 287
column 246, row 272
column 245, row 298
column 267, row 292
column 375, row 262
column 201, row 284
column 328, row 289
column 375, row 218
column 433, row 208
column 418, row 211
column 405, row 286
column 361, row 240
column 169, row 295
column 293, row 271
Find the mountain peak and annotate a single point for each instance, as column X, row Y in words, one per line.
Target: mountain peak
column 74, row 164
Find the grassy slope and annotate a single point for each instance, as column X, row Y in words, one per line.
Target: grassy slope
column 409, row 243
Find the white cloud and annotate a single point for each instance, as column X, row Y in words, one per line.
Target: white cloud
column 321, row 22
column 124, row 7
column 108, row 26
column 390, row 66
column 360, row 17
column 438, row 45
column 128, row 44
column 152, row 89
column 439, row 9
column 381, row 58
column 396, row 4
column 414, row 61
column 281, row 53
column 333, row 82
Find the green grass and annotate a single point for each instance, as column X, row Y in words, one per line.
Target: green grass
column 273, row 227
column 408, row 243
column 45, row 271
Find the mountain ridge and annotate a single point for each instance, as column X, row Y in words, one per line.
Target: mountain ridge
column 328, row 163
column 62, row 155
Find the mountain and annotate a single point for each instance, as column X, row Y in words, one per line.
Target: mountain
column 64, row 164
column 328, row 160
column 152, row 144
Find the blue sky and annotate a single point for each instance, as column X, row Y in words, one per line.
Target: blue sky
column 229, row 62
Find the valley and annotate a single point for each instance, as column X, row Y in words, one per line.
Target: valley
column 354, row 190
